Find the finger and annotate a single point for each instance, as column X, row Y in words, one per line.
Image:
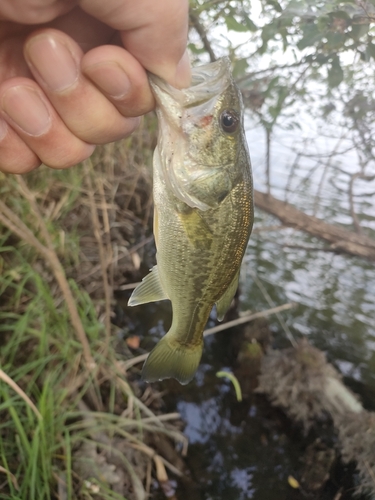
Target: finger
column 120, row 78
column 26, row 109
column 34, row 12
column 154, row 32
column 15, row 156
column 54, row 59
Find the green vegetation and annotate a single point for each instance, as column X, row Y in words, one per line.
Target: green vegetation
column 86, row 436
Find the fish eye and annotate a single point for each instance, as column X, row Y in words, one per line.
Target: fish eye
column 229, row 121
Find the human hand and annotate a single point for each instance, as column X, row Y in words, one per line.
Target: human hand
column 64, row 88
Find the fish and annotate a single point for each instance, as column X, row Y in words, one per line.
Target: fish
column 203, row 212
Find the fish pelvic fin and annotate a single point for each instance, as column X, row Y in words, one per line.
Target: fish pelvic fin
column 172, row 359
column 149, row 290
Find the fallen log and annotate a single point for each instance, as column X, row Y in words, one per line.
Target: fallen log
column 308, row 388
column 340, row 239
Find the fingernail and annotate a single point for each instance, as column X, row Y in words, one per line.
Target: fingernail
column 53, row 62
column 3, row 129
column 183, row 72
column 110, row 78
column 26, row 109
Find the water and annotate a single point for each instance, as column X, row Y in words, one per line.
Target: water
column 248, row 450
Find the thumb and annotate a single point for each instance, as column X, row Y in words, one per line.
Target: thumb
column 154, row 32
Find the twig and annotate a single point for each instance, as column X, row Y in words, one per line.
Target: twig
column 20, row 392
column 202, row 34
column 268, row 131
column 246, row 319
column 326, row 166
column 263, row 229
column 219, row 328
column 291, row 175
column 129, row 286
column 270, row 69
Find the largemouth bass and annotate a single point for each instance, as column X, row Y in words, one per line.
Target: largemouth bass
column 203, row 212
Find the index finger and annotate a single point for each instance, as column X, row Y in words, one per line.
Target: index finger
column 154, row 32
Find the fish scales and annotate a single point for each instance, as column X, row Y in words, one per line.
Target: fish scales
column 203, row 213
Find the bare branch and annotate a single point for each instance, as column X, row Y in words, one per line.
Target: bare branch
column 194, row 19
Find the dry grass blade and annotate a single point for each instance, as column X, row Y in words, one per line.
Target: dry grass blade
column 12, row 477
column 160, row 462
column 19, row 391
column 134, row 361
column 102, row 253
column 162, row 418
column 127, row 390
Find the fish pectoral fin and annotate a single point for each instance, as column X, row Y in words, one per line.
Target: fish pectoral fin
column 171, row 359
column 150, row 290
column 223, row 304
column 196, row 228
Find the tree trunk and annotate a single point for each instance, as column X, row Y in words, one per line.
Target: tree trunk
column 340, row 239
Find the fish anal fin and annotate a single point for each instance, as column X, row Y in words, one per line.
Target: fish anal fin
column 149, row 290
column 170, row 359
column 223, row 304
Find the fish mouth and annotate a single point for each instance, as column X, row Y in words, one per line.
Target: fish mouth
column 217, row 74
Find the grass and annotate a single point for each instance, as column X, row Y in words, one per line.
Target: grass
column 66, row 243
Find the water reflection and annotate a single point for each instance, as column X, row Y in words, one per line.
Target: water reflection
column 247, row 450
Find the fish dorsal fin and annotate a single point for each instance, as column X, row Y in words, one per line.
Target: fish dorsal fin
column 223, row 304
column 150, row 290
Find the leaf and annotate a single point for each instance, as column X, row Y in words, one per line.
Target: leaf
column 195, row 49
column 250, row 25
column 335, row 41
column 359, row 30
column 239, row 67
column 271, row 86
column 133, row 341
column 275, row 5
column 293, row 482
column 268, row 32
column 234, row 25
column 335, row 73
column 311, row 35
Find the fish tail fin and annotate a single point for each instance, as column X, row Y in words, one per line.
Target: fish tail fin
column 172, row 359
